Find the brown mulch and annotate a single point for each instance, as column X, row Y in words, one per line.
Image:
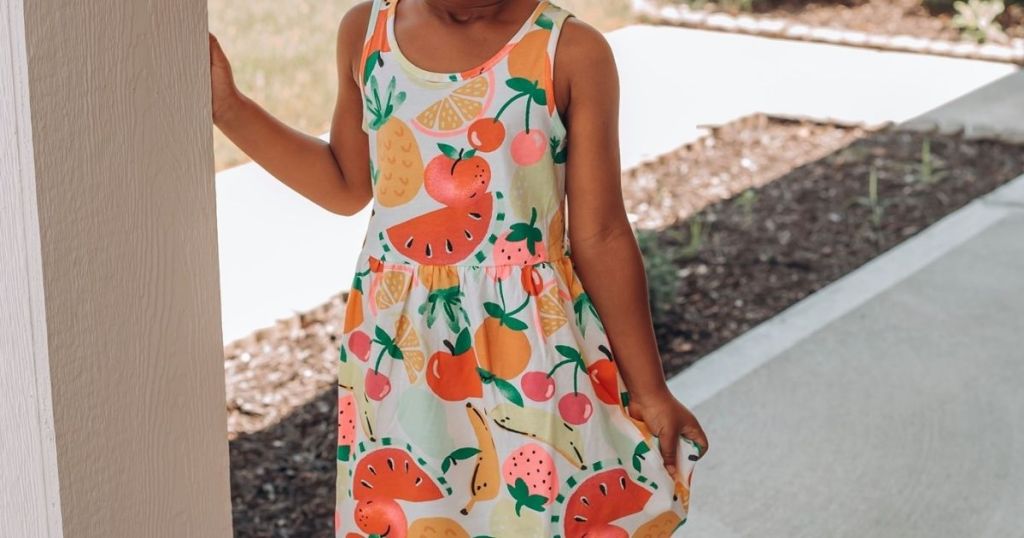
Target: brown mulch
column 742, row 154
column 282, row 425
column 772, row 234
column 769, row 240
column 892, row 17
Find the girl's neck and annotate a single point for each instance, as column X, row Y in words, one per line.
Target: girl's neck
column 463, row 11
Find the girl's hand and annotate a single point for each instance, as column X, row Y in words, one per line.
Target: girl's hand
column 668, row 420
column 225, row 93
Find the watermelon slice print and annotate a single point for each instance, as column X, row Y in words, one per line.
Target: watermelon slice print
column 382, row 477
column 444, row 236
column 604, row 497
column 392, row 473
column 347, row 418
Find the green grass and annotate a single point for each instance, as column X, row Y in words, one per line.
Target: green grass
column 282, row 53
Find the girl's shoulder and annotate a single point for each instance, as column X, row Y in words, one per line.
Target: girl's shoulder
column 352, row 32
column 576, row 33
column 584, row 55
column 357, row 16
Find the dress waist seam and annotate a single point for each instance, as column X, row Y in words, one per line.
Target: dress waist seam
column 376, row 261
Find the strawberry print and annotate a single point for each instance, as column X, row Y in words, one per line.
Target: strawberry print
column 532, row 477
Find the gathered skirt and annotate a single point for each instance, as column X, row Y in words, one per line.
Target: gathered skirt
column 478, row 400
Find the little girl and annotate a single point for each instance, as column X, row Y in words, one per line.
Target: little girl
column 497, row 376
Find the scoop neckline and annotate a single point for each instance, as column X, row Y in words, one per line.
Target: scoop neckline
column 438, row 76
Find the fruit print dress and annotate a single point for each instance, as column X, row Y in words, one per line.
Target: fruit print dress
column 478, row 394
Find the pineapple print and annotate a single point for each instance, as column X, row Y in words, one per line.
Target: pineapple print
column 400, row 164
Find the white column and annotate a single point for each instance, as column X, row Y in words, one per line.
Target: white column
column 112, row 415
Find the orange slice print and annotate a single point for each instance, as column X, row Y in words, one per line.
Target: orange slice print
column 409, row 342
column 453, row 113
column 551, row 310
column 390, row 288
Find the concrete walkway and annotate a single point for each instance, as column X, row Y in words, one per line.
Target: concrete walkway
column 673, row 80
column 281, row 254
column 887, row 404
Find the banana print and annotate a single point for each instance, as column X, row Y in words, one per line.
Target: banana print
column 542, row 426
column 486, row 482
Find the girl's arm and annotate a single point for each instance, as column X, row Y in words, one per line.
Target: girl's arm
column 333, row 175
column 603, row 247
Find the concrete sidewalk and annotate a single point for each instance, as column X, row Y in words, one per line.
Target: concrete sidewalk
column 887, row 404
column 674, row 80
column 281, row 254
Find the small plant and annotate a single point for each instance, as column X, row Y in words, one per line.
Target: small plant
column 661, row 266
column 746, row 201
column 698, row 234
column 873, row 201
column 927, row 169
column 976, row 20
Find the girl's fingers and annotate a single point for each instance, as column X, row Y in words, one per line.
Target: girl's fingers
column 668, row 444
column 696, row 434
column 216, row 52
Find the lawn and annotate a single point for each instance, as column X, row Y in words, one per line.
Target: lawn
column 283, row 55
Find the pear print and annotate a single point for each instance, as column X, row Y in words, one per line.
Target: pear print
column 422, row 416
column 534, row 186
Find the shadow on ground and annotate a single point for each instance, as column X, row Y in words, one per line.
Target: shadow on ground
column 282, row 478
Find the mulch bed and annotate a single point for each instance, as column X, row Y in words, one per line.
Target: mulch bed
column 768, row 238
column 910, row 17
column 892, row 17
column 902, row 26
column 282, row 425
column 772, row 233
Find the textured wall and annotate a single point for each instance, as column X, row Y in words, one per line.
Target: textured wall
column 121, row 136
column 29, row 492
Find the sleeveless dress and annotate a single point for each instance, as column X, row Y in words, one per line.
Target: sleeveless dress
column 478, row 393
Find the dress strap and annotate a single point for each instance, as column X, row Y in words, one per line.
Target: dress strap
column 556, row 16
column 374, row 39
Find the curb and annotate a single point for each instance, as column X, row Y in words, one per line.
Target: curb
column 967, row 130
column 647, row 11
